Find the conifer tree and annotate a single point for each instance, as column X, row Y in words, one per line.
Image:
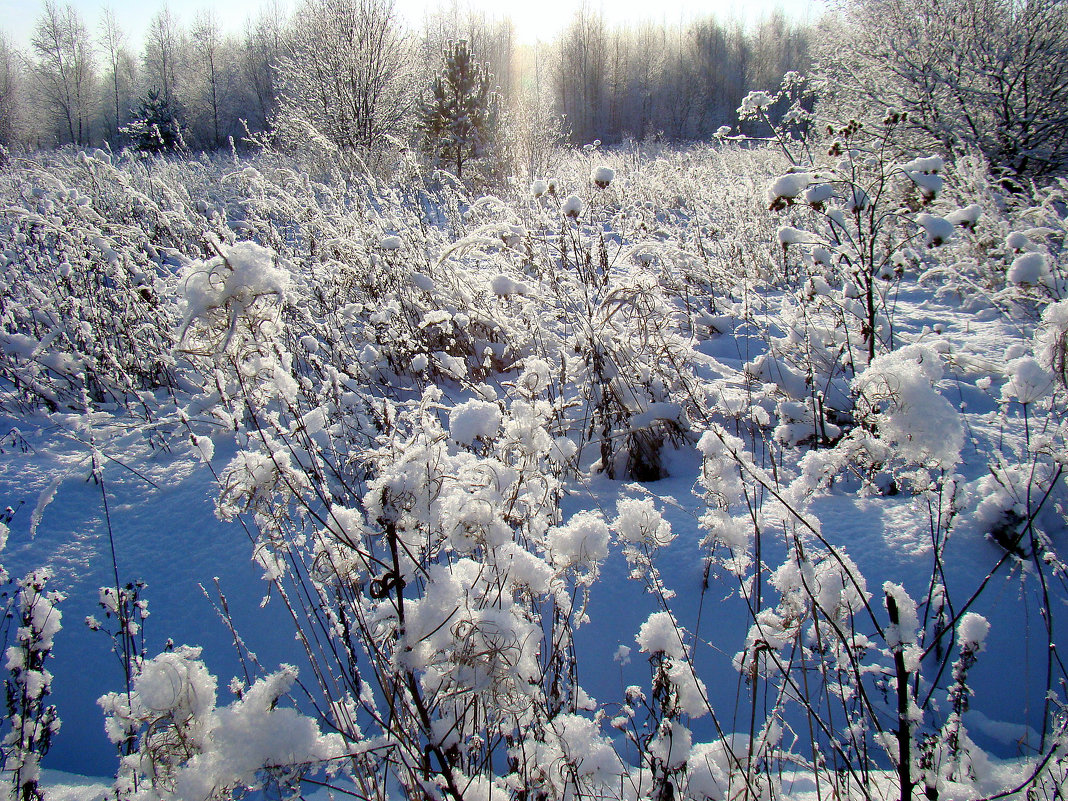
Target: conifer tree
column 458, row 119
column 155, row 127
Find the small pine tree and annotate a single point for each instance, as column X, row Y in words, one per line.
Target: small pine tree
column 459, row 118
column 155, row 127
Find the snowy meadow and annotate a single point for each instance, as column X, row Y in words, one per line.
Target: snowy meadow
column 725, row 471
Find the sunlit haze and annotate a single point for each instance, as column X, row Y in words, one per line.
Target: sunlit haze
column 534, row 20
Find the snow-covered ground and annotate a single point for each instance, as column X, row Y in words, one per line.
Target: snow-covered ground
column 683, row 282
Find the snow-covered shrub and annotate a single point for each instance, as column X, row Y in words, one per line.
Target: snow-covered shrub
column 31, row 721
column 421, row 384
column 187, row 747
column 897, row 397
column 87, row 261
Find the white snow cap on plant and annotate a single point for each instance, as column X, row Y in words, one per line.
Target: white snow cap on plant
column 659, row 634
column 754, row 101
column 1028, row 381
column 896, row 392
column 504, row 286
column 639, row 521
column 1051, row 339
column 971, row 632
column 539, row 188
column 602, row 176
column 390, row 243
column 423, row 282
column 474, row 419
column 245, row 272
column 793, row 236
column 177, row 683
column 572, row 207
column 1029, row 268
column 924, row 172
column 819, row 193
column 937, row 230
column 908, row 621
column 966, row 217
column 582, row 540
column 672, row 744
column 1019, row 241
column 787, row 187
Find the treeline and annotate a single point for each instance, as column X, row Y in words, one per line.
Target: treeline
column 349, row 71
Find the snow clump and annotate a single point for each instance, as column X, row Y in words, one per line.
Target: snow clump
column 1029, row 269
column 897, row 394
column 786, row 188
column 659, row 634
column 924, row 172
column 602, row 176
column 1028, row 381
column 1051, row 340
column 504, row 286
column 583, row 540
column 1018, row 241
column 937, row 230
column 640, row 522
column 572, row 207
column 475, row 419
column 793, row 236
column 753, row 102
column 972, row 631
column 966, row 217
column 242, row 273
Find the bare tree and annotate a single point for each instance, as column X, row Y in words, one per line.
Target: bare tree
column 163, row 47
column 11, row 76
column 260, row 56
column 64, row 71
column 119, row 64
column 208, row 47
column 582, row 72
column 342, row 73
column 990, row 75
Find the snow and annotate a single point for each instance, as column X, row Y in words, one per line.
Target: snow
column 659, row 634
column 755, row 101
column 583, row 540
column 818, row 193
column 898, row 393
column 925, row 173
column 793, row 236
column 966, row 217
column 1028, row 381
column 640, row 522
column 602, row 176
column 240, row 275
column 972, row 631
column 505, row 286
column 789, row 186
column 500, row 435
column 1029, row 268
column 572, row 207
column 937, row 230
column 473, row 420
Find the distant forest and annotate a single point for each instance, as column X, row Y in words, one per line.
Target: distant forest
column 84, row 82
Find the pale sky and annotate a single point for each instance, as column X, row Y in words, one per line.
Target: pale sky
column 534, row 19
